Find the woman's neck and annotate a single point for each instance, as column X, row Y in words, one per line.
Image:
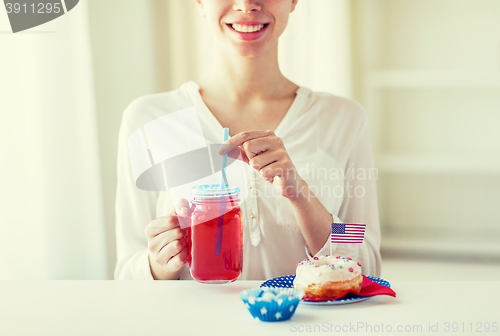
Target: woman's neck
column 238, row 78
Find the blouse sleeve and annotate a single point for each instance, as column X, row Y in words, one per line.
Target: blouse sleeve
column 360, row 205
column 135, row 208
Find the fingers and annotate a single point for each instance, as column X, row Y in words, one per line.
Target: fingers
column 240, row 138
column 167, row 242
column 183, row 212
column 161, row 224
column 182, row 208
column 176, row 262
column 271, row 171
column 272, row 164
column 264, row 159
column 256, row 146
column 260, row 149
column 169, row 253
column 238, row 153
column 156, row 243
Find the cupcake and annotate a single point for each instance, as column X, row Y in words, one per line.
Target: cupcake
column 271, row 304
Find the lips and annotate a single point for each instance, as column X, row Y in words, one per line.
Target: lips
column 247, row 27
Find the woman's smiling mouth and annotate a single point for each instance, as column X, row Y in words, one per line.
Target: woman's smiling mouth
column 248, row 31
column 247, row 28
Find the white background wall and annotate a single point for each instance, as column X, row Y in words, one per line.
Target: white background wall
column 124, row 68
column 429, row 76
column 51, row 224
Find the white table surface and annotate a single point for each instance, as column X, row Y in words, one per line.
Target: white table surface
column 189, row 308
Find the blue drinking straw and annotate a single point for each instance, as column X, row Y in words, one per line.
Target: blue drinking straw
column 224, row 163
column 222, row 208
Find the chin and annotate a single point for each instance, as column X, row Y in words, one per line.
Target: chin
column 249, row 50
column 246, row 52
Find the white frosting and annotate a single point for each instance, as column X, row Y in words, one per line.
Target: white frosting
column 322, row 269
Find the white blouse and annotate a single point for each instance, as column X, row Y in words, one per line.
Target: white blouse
column 328, row 141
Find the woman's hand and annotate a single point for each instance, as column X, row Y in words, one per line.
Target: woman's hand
column 167, row 243
column 266, row 153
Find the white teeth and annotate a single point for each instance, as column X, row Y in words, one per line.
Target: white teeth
column 246, row 29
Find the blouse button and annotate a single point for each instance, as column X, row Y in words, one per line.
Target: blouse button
column 252, row 215
column 249, row 187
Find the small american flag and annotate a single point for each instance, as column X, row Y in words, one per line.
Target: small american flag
column 347, row 233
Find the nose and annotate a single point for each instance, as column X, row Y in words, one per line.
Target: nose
column 247, row 6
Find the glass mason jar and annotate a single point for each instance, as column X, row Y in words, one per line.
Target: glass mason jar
column 215, row 235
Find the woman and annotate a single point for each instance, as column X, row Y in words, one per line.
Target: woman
column 285, row 133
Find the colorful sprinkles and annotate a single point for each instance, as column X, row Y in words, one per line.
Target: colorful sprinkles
column 343, row 260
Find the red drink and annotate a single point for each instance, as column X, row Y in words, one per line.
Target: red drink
column 215, row 236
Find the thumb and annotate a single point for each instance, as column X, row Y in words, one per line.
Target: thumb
column 182, row 208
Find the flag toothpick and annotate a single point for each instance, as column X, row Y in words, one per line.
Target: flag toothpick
column 343, row 233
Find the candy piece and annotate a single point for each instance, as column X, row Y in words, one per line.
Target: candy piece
column 359, row 264
column 350, row 269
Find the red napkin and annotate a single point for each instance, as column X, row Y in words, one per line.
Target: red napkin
column 368, row 288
